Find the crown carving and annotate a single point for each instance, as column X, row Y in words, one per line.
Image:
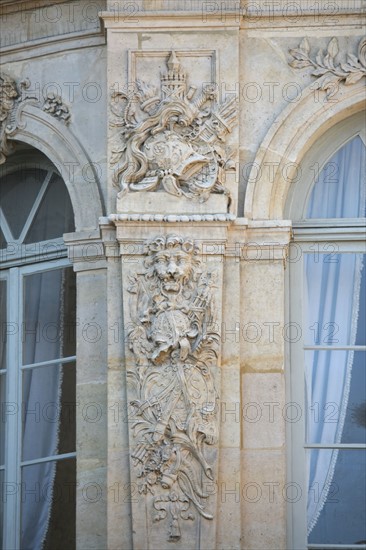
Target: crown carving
column 172, row 141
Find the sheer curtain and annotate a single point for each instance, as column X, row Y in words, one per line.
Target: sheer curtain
column 44, row 297
column 332, row 295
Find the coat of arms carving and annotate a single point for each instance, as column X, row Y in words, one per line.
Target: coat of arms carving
column 175, row 141
column 172, row 397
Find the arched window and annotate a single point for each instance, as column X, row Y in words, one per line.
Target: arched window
column 37, row 357
column 327, row 370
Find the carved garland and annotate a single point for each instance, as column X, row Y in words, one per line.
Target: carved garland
column 324, row 65
column 174, row 408
column 12, row 98
column 174, row 141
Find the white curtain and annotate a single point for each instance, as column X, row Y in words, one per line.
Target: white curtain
column 332, row 292
column 41, row 394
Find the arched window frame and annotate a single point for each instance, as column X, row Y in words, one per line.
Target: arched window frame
column 18, row 261
column 314, row 236
column 40, row 251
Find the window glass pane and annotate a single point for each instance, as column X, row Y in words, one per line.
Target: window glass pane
column 3, row 325
column 20, row 189
column 54, row 216
column 337, row 501
column 49, row 315
column 334, row 312
column 1, row 504
column 3, row 243
column 335, row 396
column 339, row 190
column 3, row 417
column 49, row 505
column 67, row 420
column 48, row 411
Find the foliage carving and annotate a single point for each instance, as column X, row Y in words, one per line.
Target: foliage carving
column 324, row 64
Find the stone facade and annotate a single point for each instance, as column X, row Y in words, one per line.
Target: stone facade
column 180, row 130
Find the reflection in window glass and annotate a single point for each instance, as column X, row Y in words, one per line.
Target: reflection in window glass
column 48, row 505
column 54, row 216
column 341, row 520
column 335, row 391
column 25, row 183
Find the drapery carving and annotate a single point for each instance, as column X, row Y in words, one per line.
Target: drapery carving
column 173, row 399
column 173, row 141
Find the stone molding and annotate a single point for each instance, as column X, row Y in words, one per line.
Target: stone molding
column 53, row 138
column 172, row 218
column 86, row 250
column 158, row 21
column 243, row 240
column 45, row 46
column 256, row 16
column 286, row 143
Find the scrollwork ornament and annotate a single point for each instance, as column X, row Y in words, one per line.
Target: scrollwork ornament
column 8, row 95
column 173, row 141
column 13, row 98
column 173, row 412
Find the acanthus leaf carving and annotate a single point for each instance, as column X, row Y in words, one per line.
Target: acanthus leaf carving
column 13, row 97
column 174, row 141
column 324, row 65
column 173, row 398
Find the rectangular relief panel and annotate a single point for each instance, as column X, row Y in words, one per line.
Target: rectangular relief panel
column 172, row 315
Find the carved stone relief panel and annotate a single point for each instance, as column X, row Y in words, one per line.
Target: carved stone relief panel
column 170, row 136
column 13, row 97
column 173, row 381
column 326, row 66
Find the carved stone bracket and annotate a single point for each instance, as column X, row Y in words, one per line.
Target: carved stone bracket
column 173, row 400
column 324, row 65
column 13, row 97
column 172, row 140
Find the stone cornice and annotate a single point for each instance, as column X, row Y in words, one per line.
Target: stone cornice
column 15, row 6
column 50, row 45
column 160, row 20
column 261, row 21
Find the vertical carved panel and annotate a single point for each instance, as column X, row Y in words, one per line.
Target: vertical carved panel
column 173, row 398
